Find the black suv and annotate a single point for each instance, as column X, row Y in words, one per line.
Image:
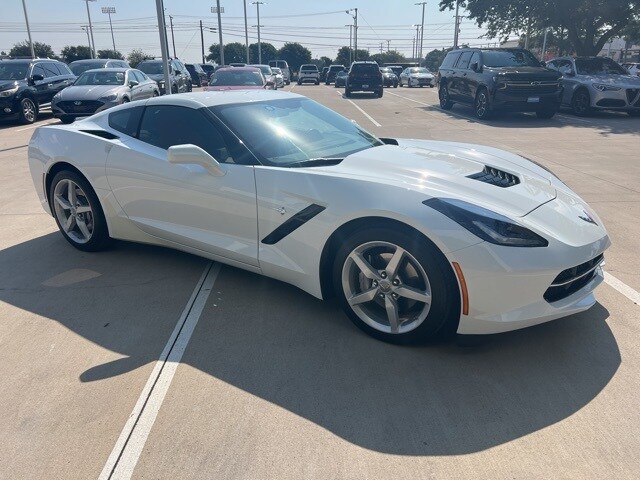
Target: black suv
column 26, row 86
column 178, row 74
column 495, row 79
column 364, row 77
column 332, row 72
column 199, row 77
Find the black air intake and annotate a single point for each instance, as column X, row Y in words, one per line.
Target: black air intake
column 496, row 177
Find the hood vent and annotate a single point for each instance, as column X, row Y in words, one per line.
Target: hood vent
column 496, row 177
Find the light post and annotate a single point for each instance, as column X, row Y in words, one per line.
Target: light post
column 421, row 30
column 457, row 31
column 416, row 43
column 26, row 19
column 350, row 27
column 162, row 30
column 355, row 31
column 86, row 29
column 246, row 30
column 93, row 42
column 219, row 10
column 257, row 4
column 109, row 11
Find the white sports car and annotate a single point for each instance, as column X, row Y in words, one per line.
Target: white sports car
column 415, row 238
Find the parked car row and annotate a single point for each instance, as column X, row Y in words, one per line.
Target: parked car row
column 241, row 78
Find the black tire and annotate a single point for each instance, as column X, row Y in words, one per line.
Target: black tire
column 335, row 85
column 28, row 111
column 318, row 83
column 299, row 83
column 327, row 83
column 124, row 100
column 395, row 85
column 409, row 83
column 174, row 89
column 100, row 239
column 288, row 82
column 347, row 92
column 445, row 99
column 67, row 119
column 444, row 313
column 380, row 93
column 156, row 93
column 481, row 105
column 581, row 103
column 546, row 113
column 190, row 87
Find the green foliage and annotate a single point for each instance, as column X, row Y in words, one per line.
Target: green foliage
column 631, row 32
column 41, row 50
column 326, row 61
column 295, row 55
column 343, row 56
column 114, row 54
column 71, row 54
column 434, row 58
column 136, row 56
column 392, row 56
column 269, row 52
column 589, row 24
column 234, row 52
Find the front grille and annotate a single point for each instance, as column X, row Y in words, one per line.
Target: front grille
column 611, row 103
column 632, row 94
column 86, row 106
column 493, row 176
column 531, row 87
column 571, row 280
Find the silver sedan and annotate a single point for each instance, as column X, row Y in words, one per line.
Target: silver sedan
column 278, row 76
column 416, row 77
column 597, row 83
column 99, row 89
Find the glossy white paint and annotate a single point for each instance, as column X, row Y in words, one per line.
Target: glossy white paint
column 224, row 217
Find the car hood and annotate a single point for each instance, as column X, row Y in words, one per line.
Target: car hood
column 441, row 169
column 628, row 81
column 89, row 92
column 213, row 88
column 524, row 73
column 421, row 75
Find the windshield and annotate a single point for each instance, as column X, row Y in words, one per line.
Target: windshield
column 150, row 68
column 80, row 68
column 308, row 68
column 265, row 69
column 13, row 71
column 100, row 78
column 599, row 66
column 289, row 131
column 419, row 70
column 225, row 78
column 509, row 58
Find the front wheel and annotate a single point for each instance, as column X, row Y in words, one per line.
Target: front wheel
column 380, row 93
column 581, row 103
column 396, row 286
column 28, row 111
column 445, row 99
column 481, row 105
column 347, row 92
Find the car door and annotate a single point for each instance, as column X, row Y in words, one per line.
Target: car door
column 56, row 81
column 42, row 86
column 146, row 82
column 471, row 81
column 184, row 204
column 460, row 70
column 569, row 81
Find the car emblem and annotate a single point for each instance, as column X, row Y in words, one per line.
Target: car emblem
column 77, row 102
column 587, row 218
column 535, row 83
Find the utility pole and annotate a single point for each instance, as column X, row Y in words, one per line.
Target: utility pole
column 355, row 30
column 421, row 30
column 526, row 40
column 246, row 30
column 544, row 44
column 219, row 11
column 388, row 45
column 26, row 19
column 415, row 56
column 257, row 4
column 110, row 10
column 86, row 29
column 173, row 40
column 381, row 47
column 413, row 48
column 350, row 42
column 457, row 31
column 93, row 42
column 162, row 30
column 202, row 41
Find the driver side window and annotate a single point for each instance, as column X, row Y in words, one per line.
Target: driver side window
column 565, row 67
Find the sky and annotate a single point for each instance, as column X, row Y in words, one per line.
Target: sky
column 321, row 26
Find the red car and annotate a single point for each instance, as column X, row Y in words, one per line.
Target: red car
column 238, row 78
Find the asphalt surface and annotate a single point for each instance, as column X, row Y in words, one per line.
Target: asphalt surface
column 271, row 383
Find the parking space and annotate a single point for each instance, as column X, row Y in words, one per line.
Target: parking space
column 276, row 384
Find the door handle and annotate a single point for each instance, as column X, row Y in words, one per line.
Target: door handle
column 49, row 84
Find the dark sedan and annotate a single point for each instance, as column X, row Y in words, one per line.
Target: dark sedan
column 341, row 79
column 389, row 78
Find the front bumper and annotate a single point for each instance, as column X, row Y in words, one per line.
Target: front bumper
column 421, row 81
column 625, row 99
column 525, row 102
column 9, row 107
column 86, row 108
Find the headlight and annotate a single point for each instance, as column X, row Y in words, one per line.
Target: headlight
column 8, row 93
column 487, row 225
column 109, row 98
column 605, row 88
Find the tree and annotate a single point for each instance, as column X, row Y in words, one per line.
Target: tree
column 295, row 55
column 343, row 56
column 434, row 58
column 326, row 61
column 268, row 51
column 115, row 54
column 41, row 50
column 392, row 56
column 631, row 32
column 71, row 54
column 233, row 53
column 136, row 56
column 589, row 24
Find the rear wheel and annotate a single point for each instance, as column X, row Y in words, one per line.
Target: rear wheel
column 347, row 92
column 28, row 111
column 581, row 103
column 445, row 100
column 481, row 104
column 78, row 212
column 380, row 92
column 395, row 286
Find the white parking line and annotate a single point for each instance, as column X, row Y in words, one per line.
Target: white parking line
column 33, row 126
column 362, row 111
column 128, row 447
column 622, row 287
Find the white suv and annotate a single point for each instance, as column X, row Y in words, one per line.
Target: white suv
column 308, row 73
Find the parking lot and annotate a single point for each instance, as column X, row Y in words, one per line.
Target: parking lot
column 146, row 362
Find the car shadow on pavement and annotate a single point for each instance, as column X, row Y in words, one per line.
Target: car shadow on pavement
column 275, row 342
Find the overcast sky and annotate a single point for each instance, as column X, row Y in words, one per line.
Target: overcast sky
column 319, row 25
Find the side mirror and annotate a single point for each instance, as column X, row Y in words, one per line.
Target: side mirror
column 475, row 66
column 37, row 77
column 193, row 155
column 543, row 63
column 271, row 84
column 133, row 83
column 177, row 72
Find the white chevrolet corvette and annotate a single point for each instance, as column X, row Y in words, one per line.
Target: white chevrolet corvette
column 415, row 238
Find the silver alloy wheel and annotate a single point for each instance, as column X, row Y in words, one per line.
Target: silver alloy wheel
column 481, row 104
column 29, row 110
column 386, row 287
column 444, row 96
column 72, row 209
column 581, row 103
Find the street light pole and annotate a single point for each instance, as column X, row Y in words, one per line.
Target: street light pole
column 421, row 30
column 246, row 30
column 457, row 31
column 257, row 4
column 110, row 10
column 355, row 31
column 26, row 19
column 417, row 40
column 162, row 30
column 350, row 42
column 173, row 39
column 219, row 11
column 544, row 44
column 93, row 42
column 86, row 29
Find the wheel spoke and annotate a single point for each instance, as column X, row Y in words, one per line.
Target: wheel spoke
column 364, row 266
column 83, row 209
column 71, row 192
column 83, row 229
column 394, row 263
column 391, row 307
column 363, row 297
column 63, row 202
column 68, row 225
column 413, row 294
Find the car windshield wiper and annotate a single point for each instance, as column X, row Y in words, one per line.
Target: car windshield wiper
column 314, row 162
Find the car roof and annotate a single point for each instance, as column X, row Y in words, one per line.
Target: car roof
column 110, row 69
column 28, row 60
column 95, row 60
column 238, row 69
column 225, row 97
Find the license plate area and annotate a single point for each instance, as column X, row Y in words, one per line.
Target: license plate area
column 533, row 100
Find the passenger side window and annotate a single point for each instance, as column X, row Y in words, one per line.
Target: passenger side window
column 137, row 76
column 38, row 70
column 475, row 58
column 565, row 67
column 126, row 120
column 464, row 60
column 50, row 70
column 450, row 60
column 165, row 126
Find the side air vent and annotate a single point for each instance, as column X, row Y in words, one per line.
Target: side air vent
column 496, row 177
column 101, row 133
